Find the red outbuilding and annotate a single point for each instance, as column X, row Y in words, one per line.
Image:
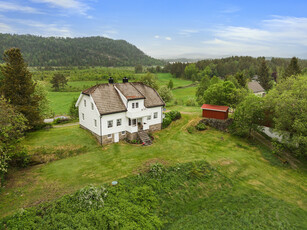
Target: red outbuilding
column 215, row 111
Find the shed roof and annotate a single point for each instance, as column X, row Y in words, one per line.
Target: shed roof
column 255, row 87
column 219, row 108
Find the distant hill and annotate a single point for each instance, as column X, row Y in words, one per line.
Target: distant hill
column 86, row 51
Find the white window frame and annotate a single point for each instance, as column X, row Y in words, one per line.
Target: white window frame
column 82, row 116
column 134, row 122
column 123, row 132
column 84, row 101
column 110, row 124
column 119, row 121
column 109, row 136
column 133, row 105
column 92, row 105
column 136, row 105
column 95, row 122
column 148, row 117
column 155, row 115
column 129, row 122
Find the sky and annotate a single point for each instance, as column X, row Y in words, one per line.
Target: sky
column 170, row 28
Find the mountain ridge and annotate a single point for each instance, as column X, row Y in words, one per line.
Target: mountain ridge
column 79, row 51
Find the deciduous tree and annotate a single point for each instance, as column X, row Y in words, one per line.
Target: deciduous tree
column 165, row 93
column 58, row 81
column 150, row 80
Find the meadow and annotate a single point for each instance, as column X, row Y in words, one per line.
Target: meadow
column 253, row 186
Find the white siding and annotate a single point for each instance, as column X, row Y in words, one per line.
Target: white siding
column 159, row 119
column 140, row 107
column 113, row 117
column 89, row 114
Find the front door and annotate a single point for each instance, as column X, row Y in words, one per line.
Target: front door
column 116, row 137
column 140, row 125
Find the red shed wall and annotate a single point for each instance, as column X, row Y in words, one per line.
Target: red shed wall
column 215, row 114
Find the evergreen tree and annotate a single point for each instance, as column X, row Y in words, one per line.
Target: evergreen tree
column 241, row 79
column 264, row 76
column 170, row 84
column 293, row 68
column 18, row 86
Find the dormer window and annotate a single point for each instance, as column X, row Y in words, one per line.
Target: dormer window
column 132, row 105
column 84, row 103
column 136, row 105
column 92, row 105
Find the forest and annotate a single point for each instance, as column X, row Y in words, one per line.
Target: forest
column 85, row 51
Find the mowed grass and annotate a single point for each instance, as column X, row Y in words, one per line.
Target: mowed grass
column 184, row 94
column 61, row 101
column 164, row 79
column 248, row 166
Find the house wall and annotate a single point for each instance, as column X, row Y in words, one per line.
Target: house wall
column 89, row 114
column 215, row 114
column 157, row 120
column 113, row 117
column 140, row 108
column 260, row 94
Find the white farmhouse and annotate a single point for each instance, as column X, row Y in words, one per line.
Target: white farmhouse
column 112, row 112
column 256, row 88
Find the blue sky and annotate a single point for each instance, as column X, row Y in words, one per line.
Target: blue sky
column 169, row 28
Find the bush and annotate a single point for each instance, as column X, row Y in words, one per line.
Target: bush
column 174, row 115
column 91, row 197
column 191, row 102
column 157, row 170
column 166, row 122
column 20, row 159
column 201, row 126
column 190, row 129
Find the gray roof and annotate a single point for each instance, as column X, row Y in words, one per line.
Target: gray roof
column 152, row 98
column 108, row 100
column 129, row 91
column 255, row 87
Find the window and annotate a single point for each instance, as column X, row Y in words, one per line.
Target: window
column 92, row 105
column 149, row 117
column 109, row 135
column 133, row 122
column 136, row 105
column 110, row 124
column 84, row 103
column 156, row 115
column 95, row 122
column 129, row 121
column 82, row 116
column 132, row 105
column 123, row 132
column 119, row 122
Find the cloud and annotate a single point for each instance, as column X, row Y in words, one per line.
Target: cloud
column 7, row 6
column 279, row 36
column 4, row 28
column 157, row 36
column 230, row 10
column 168, row 38
column 188, row 32
column 74, row 5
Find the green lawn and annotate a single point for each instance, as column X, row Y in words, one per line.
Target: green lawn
column 248, row 166
column 184, row 94
column 164, row 78
column 61, row 101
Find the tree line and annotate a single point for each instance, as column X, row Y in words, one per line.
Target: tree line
column 85, row 51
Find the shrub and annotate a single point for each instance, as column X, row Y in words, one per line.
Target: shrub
column 20, row 159
column 201, row 126
column 190, row 129
column 174, row 115
column 157, row 170
column 91, row 197
column 166, row 122
column 191, row 102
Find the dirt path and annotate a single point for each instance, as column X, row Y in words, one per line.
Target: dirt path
column 65, row 125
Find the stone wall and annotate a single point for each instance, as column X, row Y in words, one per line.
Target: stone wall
column 95, row 135
column 132, row 136
column 154, row 128
column 218, row 124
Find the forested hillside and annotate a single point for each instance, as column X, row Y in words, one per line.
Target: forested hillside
column 86, row 51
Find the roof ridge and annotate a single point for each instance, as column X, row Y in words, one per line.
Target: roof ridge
column 137, row 89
